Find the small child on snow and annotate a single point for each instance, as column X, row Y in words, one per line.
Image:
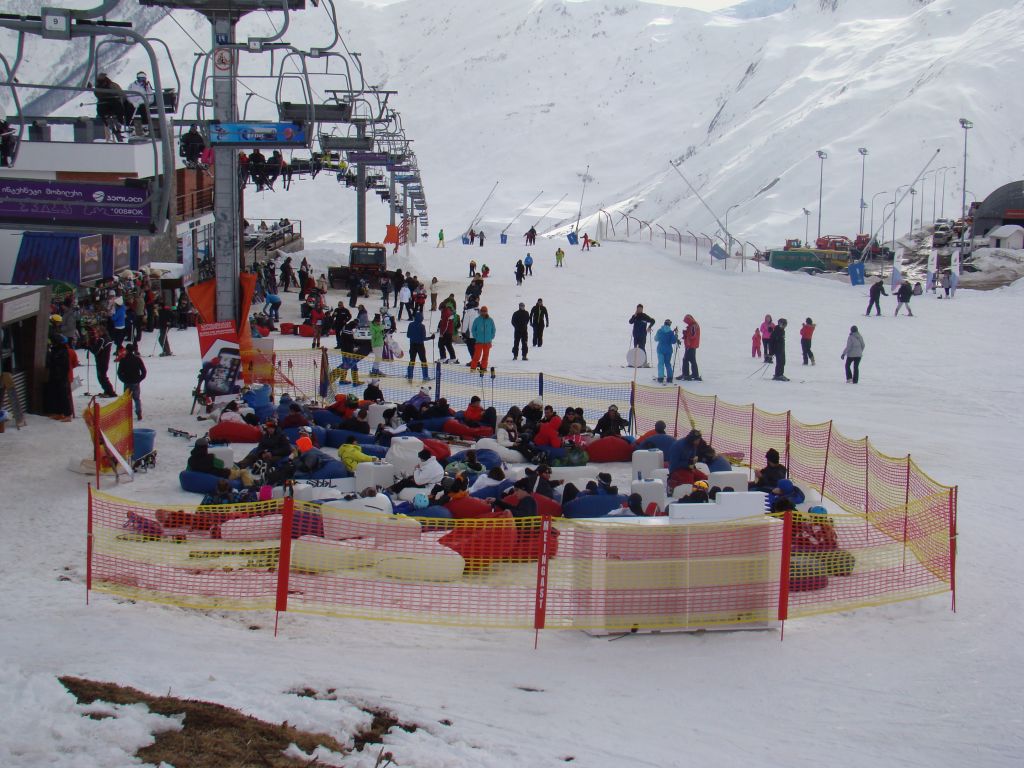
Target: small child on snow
column 755, row 349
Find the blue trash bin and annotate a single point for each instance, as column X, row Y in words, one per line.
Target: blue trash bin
column 465, row 239
column 142, row 442
column 504, row 238
column 574, row 239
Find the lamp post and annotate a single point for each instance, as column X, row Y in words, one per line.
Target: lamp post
column 822, row 156
column 966, row 125
column 863, row 162
column 942, row 208
column 728, row 233
column 807, row 225
column 871, row 229
column 895, row 205
column 913, row 192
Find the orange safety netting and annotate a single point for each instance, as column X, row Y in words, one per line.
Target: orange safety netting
column 116, row 423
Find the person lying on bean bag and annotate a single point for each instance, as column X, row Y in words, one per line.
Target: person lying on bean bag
column 201, row 460
column 352, row 454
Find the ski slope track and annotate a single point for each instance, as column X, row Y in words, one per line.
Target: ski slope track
column 530, row 93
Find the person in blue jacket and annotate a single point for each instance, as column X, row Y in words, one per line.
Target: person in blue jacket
column 666, row 340
column 417, row 333
column 483, row 335
column 528, row 263
column 785, row 489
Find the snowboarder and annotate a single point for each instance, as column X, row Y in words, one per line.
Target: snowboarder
column 876, row 290
column 903, row 294
column 778, row 350
column 691, row 343
column 538, row 321
column 520, row 323
column 852, row 354
column 666, row 340
column 641, row 323
column 806, row 331
column 528, row 263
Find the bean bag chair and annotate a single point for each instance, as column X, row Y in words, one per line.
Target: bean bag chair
column 233, row 432
column 489, row 459
column 468, row 507
column 439, row 448
column 528, row 544
column 311, row 554
column 720, row 464
column 377, row 451
column 434, row 423
column 457, row 428
column 324, row 418
column 251, row 528
column 403, row 453
column 292, row 433
column 307, row 524
column 508, row 455
column 592, row 506
column 607, row 449
column 547, row 506
column 335, row 438
column 481, row 545
column 287, row 329
column 493, row 491
column 662, row 442
column 258, row 395
column 265, row 411
column 433, row 512
column 553, row 454
column 200, row 482
column 330, row 470
column 685, row 476
column 425, row 560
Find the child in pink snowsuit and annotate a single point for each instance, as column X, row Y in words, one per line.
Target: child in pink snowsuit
column 755, row 349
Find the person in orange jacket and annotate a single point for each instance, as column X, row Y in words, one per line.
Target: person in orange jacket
column 806, row 331
column 691, row 342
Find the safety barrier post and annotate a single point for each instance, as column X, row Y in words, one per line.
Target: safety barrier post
column 96, row 439
column 750, row 450
column 541, row 601
column 906, row 512
column 540, row 385
column 787, row 544
column 824, row 470
column 437, row 380
column 789, row 417
column 714, row 414
column 88, row 548
column 675, row 423
column 632, row 405
column 952, row 543
column 867, row 485
column 284, row 560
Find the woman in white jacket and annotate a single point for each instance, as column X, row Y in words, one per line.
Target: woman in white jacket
column 852, row 354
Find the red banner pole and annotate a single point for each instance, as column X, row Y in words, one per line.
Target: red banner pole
column 867, row 485
column 824, row 470
column 88, row 547
column 789, row 459
column 787, row 543
column 284, row 561
column 952, row 542
column 541, row 601
column 906, row 512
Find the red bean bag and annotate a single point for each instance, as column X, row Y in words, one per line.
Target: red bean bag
column 608, row 449
column 439, row 448
column 483, row 544
column 233, row 432
column 287, row 329
column 306, row 330
column 467, row 507
column 528, row 545
column 457, row 428
column 547, row 505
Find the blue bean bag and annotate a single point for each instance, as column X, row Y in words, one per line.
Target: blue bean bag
column 592, row 506
column 335, row 438
column 551, row 452
column 324, row 418
column 200, row 482
column 720, row 464
column 661, row 442
column 435, row 512
column 283, row 405
column 292, row 433
column 379, row 451
column 490, row 459
column 434, row 423
column 265, row 411
column 493, row 491
column 330, row 470
column 258, row 395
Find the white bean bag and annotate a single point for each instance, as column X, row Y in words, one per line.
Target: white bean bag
column 421, row 560
column 507, row 455
column 312, row 554
column 403, row 454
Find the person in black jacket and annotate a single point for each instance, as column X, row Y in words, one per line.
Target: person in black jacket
column 779, row 350
column 903, row 294
column 520, row 324
column 100, row 346
column 166, row 317
column 611, row 423
column 192, row 146
column 641, row 323
column 538, row 322
column 768, row 477
column 877, row 290
column 131, row 371
column 272, row 447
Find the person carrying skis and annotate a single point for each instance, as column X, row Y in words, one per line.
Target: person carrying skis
column 520, row 323
column 877, row 290
column 483, row 336
column 903, row 294
column 666, row 340
column 778, row 350
column 691, row 343
column 528, row 263
column 538, row 322
column 806, row 331
column 641, row 323
column 852, row 354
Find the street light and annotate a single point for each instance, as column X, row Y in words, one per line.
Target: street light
column 727, row 232
column 913, row 192
column 895, row 205
column 822, row 156
column 871, row 229
column 863, row 160
column 966, row 125
column 947, row 169
column 807, row 224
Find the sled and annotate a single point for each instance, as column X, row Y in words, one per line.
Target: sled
column 636, row 358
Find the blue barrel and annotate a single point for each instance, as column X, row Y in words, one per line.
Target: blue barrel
column 465, row 239
column 504, row 238
column 143, row 440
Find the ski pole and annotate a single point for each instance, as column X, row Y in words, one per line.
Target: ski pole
column 758, row 370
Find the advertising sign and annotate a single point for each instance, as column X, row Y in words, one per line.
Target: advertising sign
column 122, row 253
column 83, row 204
column 188, row 256
column 90, row 258
column 259, row 135
column 145, row 243
column 222, row 360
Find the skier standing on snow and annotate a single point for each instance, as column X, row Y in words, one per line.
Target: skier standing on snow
column 876, row 290
column 520, row 272
column 586, row 242
column 641, row 323
column 766, row 337
column 440, row 238
column 417, row 334
column 666, row 340
column 528, row 263
column 755, row 343
column 446, row 330
column 481, row 235
column 538, row 321
column 852, row 354
column 691, row 342
column 903, row 294
column 520, row 324
column 778, row 350
column 806, row 331
column 559, row 257
column 483, row 334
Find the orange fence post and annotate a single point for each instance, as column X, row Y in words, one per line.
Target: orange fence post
column 541, row 600
column 88, row 547
column 952, row 542
column 906, row 512
column 787, row 543
column 284, row 560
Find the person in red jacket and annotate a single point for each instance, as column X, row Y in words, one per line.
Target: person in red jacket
column 755, row 349
column 691, row 342
column 474, row 413
column 806, row 331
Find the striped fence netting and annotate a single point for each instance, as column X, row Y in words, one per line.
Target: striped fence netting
column 110, row 429
column 890, row 534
